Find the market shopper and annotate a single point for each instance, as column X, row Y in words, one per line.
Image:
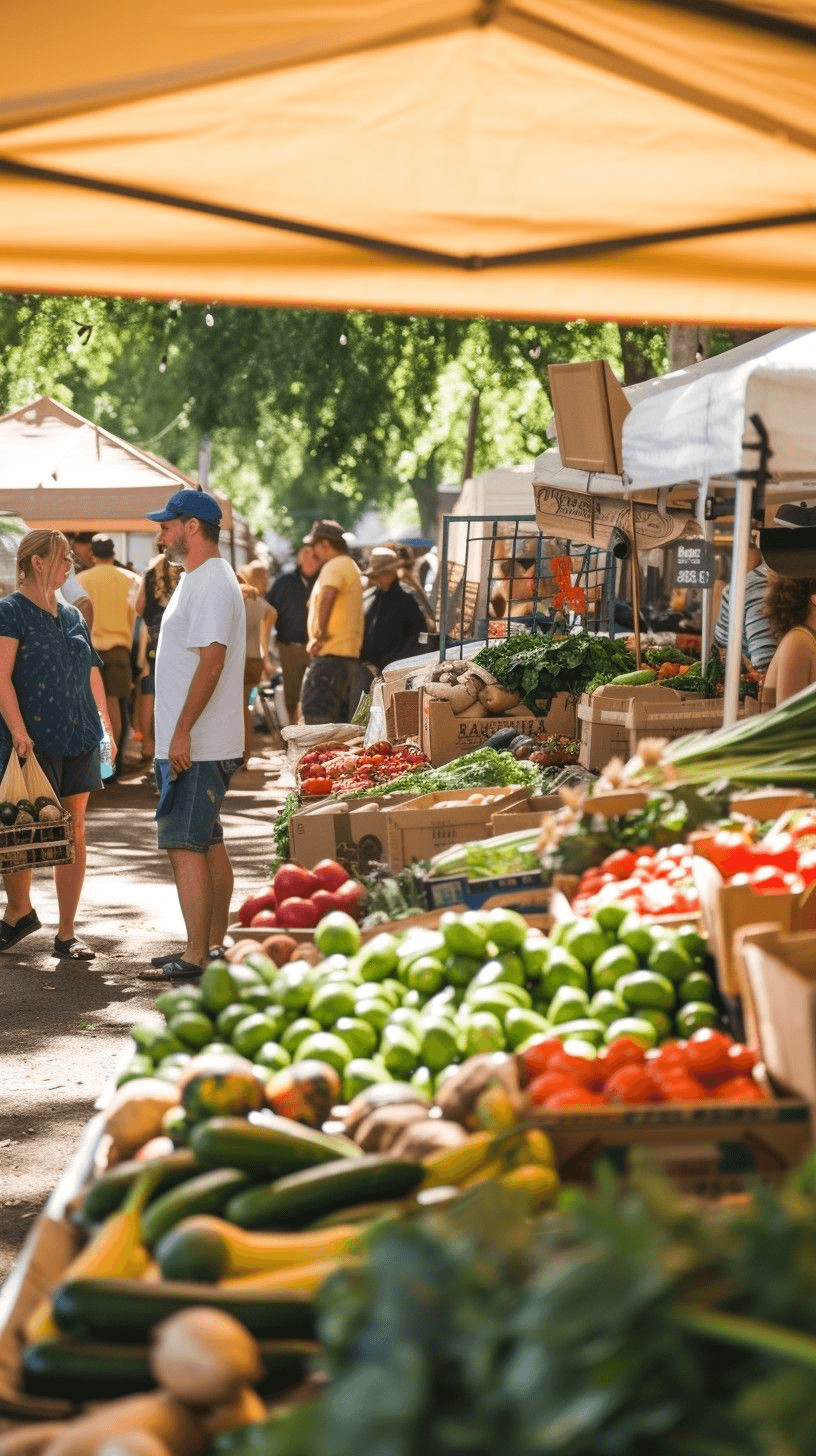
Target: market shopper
column 394, row 619
column 335, row 677
column 113, row 591
column 288, row 597
column 52, row 702
column 759, row 638
column 254, row 580
column 199, row 723
column 791, row 609
column 158, row 584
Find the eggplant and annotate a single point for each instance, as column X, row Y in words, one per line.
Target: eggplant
column 501, row 740
column 522, row 746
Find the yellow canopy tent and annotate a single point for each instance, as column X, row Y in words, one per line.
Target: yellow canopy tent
column 603, row 158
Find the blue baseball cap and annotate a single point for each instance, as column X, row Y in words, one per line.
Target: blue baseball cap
column 188, row 503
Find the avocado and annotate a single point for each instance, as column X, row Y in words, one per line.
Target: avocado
column 8, row 813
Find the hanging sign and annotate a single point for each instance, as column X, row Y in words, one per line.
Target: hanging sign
column 592, row 519
column 695, row 564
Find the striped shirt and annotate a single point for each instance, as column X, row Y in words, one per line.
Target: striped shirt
column 758, row 641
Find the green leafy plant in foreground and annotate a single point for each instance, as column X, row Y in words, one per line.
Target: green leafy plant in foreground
column 628, row 1323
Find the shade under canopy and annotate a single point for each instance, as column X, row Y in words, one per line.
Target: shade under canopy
column 637, row 159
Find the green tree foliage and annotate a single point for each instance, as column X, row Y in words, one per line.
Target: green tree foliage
column 308, row 412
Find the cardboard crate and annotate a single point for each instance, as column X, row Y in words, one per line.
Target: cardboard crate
column 708, row 1149
column 780, row 979
column 402, row 714
column 727, row 909
column 351, row 831
column 445, row 735
column 768, row 804
column 602, row 719
column 510, row 819
column 416, row 832
column 690, row 715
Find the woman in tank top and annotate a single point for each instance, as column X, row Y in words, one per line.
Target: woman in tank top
column 791, row 609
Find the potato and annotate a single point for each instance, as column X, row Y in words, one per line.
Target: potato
column 382, row 1094
column 157, row 1415
column 204, row 1357
column 459, row 1093
column 429, row 1135
column 134, row 1114
column 381, row 1129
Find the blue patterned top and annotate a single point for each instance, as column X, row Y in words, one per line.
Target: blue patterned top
column 52, row 678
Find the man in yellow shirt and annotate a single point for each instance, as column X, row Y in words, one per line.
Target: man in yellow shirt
column 113, row 592
column 335, row 677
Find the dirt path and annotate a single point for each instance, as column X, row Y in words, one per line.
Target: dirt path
column 64, row 1027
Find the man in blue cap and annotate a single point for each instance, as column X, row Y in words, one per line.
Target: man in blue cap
column 199, row 723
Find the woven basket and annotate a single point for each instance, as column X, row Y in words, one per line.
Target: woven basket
column 24, row 845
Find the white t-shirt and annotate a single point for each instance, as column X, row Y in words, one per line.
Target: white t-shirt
column 205, row 607
column 72, row 592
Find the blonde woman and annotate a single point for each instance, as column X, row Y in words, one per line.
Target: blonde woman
column 52, row 702
column 254, row 580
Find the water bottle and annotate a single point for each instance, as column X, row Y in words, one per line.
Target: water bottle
column 106, row 756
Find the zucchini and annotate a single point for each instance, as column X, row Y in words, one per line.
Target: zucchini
column 79, row 1370
column 358, row 1213
column 108, row 1193
column 267, row 1149
column 208, row 1193
column 125, row 1310
column 299, row 1199
column 633, row 679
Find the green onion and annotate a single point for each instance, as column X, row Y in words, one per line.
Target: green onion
column 768, row 748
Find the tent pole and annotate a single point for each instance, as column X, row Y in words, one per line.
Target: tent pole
column 743, row 514
column 707, row 624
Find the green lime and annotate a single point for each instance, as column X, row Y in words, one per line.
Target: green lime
column 419, row 941
column 297, row 1031
column 585, row 940
column 535, row 953
column 563, row 969
column 423, row 1080
column 139, row 1066
column 331, row 1001
column 359, row 1035
column 425, row 974
column 217, row 987
column 492, row 973
column 378, row 957
column 607, row 1006
column 539, row 1036
column 660, row 1020
column 460, row 970
column 259, row 961
column 584, row 1028
column 337, row 934
column 506, row 928
column 578, row 1046
column 181, row 998
column 251, row 1033
column 359, row 1074
column 293, row 987
column 272, row 1057
column 414, row 1000
column 498, row 1000
column 229, row 1018
column 669, row 959
column 636, row 1028
column 404, row 1016
column 520, row 1024
column 568, row 1003
column 399, row 1050
column 484, row 1033
column 177, row 1060
column 438, row 1042
column 445, row 1001
column 697, row 986
column 155, row 1042
column 646, row 988
column 694, row 1015
column 693, row 943
column 243, row 976
column 611, row 916
column 322, row 1046
column 635, row 933
column 193, row 1029
column 258, row 997
column 611, row 965
column 466, row 934
column 392, row 990
column 373, row 1009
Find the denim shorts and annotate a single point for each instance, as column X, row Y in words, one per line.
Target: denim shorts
column 77, row 775
column 193, row 821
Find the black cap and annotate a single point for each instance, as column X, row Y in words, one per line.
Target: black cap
column 103, row 546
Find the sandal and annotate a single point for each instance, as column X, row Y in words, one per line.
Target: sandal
column 73, row 949
column 10, row 934
column 174, row 969
column 161, row 960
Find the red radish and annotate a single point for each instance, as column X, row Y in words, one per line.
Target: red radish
column 330, row 874
column 292, row 881
column 297, row 913
column 254, row 905
column 264, row 918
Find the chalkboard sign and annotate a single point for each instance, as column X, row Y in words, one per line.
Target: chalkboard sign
column 695, row 563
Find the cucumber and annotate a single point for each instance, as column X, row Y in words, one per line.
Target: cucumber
column 208, row 1193
column 126, row 1310
column 109, row 1192
column 79, row 1370
column 299, row 1199
column 267, row 1149
column 358, row 1213
column 633, row 679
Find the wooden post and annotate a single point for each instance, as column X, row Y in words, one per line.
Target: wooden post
column 635, row 569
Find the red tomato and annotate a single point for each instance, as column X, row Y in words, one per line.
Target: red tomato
column 768, row 879
column 807, row 866
column 547, row 1084
column 677, row 1086
column 576, row 1069
column 741, row 1059
column 292, row 880
column 739, row 1089
column 264, row 918
column 535, row 1059
column 329, row 874
column 731, row 852
column 622, row 1053
column 573, row 1097
column 630, row 1083
column 707, row 1051
column 670, row 1054
column 779, row 850
column 317, row 786
column 620, row 863
column 297, row 914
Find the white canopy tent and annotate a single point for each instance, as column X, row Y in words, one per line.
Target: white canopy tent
column 59, row 469
column 697, row 428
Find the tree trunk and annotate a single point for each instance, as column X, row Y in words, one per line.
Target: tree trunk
column 425, row 495
column 687, row 344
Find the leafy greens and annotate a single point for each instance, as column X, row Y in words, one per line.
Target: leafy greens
column 539, row 667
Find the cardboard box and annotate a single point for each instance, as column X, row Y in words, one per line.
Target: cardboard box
column 780, row 973
column 402, row 714
column 708, row 1149
column 351, row 831
column 727, row 909
column 523, row 892
column 602, row 720
column 511, row 819
column 768, row 804
column 415, row 831
column 645, row 719
column 445, row 735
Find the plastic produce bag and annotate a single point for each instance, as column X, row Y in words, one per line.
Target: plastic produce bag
column 13, row 786
column 37, row 784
